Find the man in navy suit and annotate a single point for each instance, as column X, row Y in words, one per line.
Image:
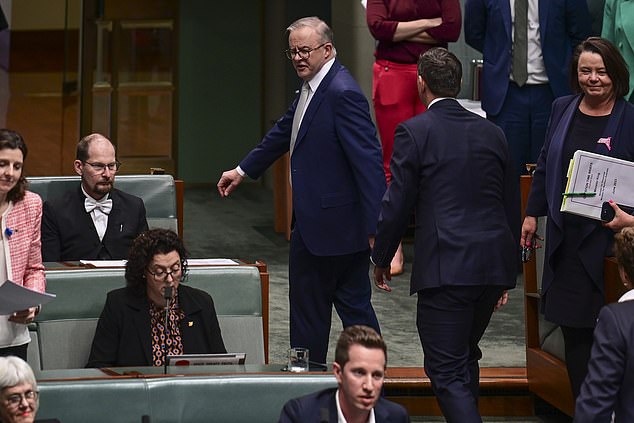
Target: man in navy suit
column 337, row 180
column 524, row 72
column 95, row 221
column 453, row 168
column 359, row 367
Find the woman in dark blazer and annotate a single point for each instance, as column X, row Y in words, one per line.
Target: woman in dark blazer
column 597, row 119
column 131, row 329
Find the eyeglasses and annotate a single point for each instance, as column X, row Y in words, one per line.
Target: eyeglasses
column 100, row 167
column 161, row 275
column 304, row 53
column 15, row 400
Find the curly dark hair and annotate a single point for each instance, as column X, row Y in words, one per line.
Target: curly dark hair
column 11, row 139
column 143, row 250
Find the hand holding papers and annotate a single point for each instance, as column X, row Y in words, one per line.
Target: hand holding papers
column 14, row 297
column 593, row 179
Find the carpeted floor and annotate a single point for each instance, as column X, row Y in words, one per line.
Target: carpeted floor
column 241, row 226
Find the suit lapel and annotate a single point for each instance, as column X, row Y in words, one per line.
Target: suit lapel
column 114, row 216
column 543, row 19
column 505, row 6
column 141, row 316
column 84, row 218
column 313, row 106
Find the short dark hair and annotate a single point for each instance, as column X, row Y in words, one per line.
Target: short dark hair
column 84, row 145
column 614, row 63
column 624, row 251
column 11, row 140
column 357, row 335
column 143, row 250
column 441, row 70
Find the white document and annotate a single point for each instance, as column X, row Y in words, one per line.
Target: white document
column 608, row 178
column 14, row 297
column 210, row 262
column 105, row 263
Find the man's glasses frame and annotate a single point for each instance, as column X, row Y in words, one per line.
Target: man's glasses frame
column 101, row 167
column 304, row 52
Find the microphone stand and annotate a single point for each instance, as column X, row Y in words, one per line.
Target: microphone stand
column 167, row 294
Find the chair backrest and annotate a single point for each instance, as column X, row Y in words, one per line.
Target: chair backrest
column 191, row 399
column 157, row 191
column 64, row 330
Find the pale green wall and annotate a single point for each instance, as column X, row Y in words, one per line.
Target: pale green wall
column 219, row 86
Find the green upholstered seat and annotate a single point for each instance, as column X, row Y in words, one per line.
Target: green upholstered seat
column 157, row 191
column 235, row 398
column 63, row 331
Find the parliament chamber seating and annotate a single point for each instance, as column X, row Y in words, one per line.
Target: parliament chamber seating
column 62, row 333
column 162, row 195
column 222, row 398
column 545, row 360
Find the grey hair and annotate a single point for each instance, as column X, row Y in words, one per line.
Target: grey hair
column 321, row 27
column 15, row 371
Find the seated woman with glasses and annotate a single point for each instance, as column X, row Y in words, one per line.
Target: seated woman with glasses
column 131, row 330
column 18, row 392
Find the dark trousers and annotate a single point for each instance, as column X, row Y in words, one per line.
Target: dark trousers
column 524, row 119
column 451, row 320
column 316, row 283
column 18, row 351
column 578, row 345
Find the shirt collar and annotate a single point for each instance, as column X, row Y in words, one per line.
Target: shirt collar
column 436, row 100
column 628, row 296
column 340, row 416
column 319, row 76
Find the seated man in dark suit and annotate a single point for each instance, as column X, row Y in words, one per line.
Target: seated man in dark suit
column 94, row 221
column 609, row 385
column 360, row 362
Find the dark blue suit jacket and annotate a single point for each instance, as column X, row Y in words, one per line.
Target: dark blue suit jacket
column 454, row 168
column 336, row 166
column 562, row 25
column 609, row 385
column 545, row 195
column 321, row 407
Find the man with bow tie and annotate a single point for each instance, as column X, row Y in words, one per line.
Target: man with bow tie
column 95, row 221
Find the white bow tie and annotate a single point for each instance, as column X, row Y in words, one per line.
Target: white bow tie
column 90, row 204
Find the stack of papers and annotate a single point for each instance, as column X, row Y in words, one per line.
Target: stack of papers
column 603, row 178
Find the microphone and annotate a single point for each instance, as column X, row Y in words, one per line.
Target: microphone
column 167, row 294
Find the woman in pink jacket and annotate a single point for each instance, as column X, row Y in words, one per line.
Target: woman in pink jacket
column 20, row 246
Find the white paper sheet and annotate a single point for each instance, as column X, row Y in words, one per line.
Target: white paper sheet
column 14, row 297
column 105, row 263
column 211, row 262
column 607, row 177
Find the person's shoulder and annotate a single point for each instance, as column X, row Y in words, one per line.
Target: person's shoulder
column 564, row 101
column 314, row 398
column 62, row 200
column 31, row 198
column 195, row 293
column 396, row 412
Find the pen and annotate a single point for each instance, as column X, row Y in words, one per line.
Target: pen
column 578, row 194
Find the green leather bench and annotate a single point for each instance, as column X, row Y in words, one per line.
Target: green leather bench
column 62, row 333
column 157, row 191
column 234, row 398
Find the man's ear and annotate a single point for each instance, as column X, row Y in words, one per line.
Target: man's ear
column 78, row 166
column 338, row 371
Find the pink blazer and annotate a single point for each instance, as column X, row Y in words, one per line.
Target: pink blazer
column 24, row 222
